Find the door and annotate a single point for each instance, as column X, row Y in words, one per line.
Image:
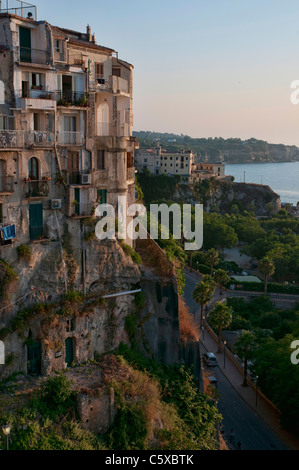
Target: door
column 102, row 196
column 36, row 226
column 34, row 358
column 2, row 175
column 77, row 199
column 70, row 124
column 73, row 167
column 25, row 44
column 69, row 351
column 67, row 82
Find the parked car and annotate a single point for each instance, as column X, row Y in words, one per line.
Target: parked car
column 210, row 359
column 212, row 380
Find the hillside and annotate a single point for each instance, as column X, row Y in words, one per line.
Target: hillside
column 228, row 150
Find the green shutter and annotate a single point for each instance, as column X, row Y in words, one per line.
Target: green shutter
column 69, row 351
column 36, row 226
column 102, row 196
column 34, row 358
column 25, row 44
column 77, row 199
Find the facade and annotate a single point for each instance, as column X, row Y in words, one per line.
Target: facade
column 65, row 126
column 66, row 145
column 208, row 170
column 160, row 162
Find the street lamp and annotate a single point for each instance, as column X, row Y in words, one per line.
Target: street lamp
column 256, row 379
column 6, row 432
column 203, row 328
column 224, row 342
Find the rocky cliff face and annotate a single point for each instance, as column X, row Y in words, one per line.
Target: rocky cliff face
column 225, row 197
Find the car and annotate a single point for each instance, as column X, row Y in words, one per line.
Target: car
column 212, row 381
column 210, row 359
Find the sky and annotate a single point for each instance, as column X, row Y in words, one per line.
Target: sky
column 204, row 68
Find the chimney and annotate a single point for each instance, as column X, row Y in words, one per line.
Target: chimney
column 94, row 38
column 88, row 33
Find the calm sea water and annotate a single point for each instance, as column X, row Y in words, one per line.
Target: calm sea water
column 283, row 178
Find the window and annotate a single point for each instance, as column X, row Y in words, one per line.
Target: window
column 1, row 213
column 99, row 70
column 33, row 170
column 36, row 80
column 116, row 71
column 101, row 160
column 57, row 45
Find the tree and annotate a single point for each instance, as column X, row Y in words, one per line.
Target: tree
column 222, row 278
column 213, row 258
column 244, row 347
column 267, row 268
column 203, row 293
column 220, row 317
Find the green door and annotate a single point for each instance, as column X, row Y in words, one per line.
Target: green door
column 69, row 351
column 25, row 44
column 36, row 226
column 34, row 358
column 102, row 196
column 77, row 199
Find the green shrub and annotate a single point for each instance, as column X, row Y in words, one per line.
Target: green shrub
column 24, row 252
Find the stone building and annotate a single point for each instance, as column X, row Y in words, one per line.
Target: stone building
column 66, row 145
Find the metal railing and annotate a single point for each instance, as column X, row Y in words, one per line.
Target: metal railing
column 40, row 138
column 131, row 173
column 70, row 98
column 32, row 56
column 19, row 8
column 82, row 209
column 38, row 188
column 11, row 139
column 70, row 138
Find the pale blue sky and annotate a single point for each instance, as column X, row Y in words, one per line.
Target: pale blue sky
column 206, row 68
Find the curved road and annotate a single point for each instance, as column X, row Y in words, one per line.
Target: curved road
column 249, row 428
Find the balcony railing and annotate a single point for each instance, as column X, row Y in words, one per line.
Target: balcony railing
column 40, row 138
column 82, row 209
column 32, row 56
column 119, row 85
column 11, row 139
column 7, row 184
column 107, row 129
column 131, row 173
column 70, row 98
column 36, row 189
column 70, row 138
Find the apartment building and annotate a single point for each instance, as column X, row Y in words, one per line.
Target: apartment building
column 65, row 127
column 159, row 162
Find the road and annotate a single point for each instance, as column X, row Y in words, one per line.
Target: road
column 249, row 428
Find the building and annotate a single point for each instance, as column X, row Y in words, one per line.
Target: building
column 208, row 170
column 159, row 162
column 65, row 126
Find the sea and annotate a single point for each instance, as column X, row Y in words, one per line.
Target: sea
column 283, row 178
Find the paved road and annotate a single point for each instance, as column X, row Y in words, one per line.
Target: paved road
column 249, row 428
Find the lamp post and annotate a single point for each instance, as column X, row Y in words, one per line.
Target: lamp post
column 6, row 432
column 224, row 342
column 256, row 379
column 203, row 328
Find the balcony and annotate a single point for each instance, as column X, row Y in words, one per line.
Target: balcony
column 81, row 209
column 106, row 129
column 40, row 139
column 70, row 138
column 119, row 85
column 11, row 139
column 28, row 55
column 36, row 189
column 7, row 185
column 131, row 173
column 70, row 98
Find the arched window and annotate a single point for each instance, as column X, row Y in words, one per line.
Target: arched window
column 33, row 170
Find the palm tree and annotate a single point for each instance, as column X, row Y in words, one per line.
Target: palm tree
column 222, row 278
column 203, row 293
column 244, row 347
column 220, row 317
column 213, row 258
column 267, row 268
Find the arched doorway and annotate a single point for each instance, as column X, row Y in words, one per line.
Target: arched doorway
column 33, row 169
